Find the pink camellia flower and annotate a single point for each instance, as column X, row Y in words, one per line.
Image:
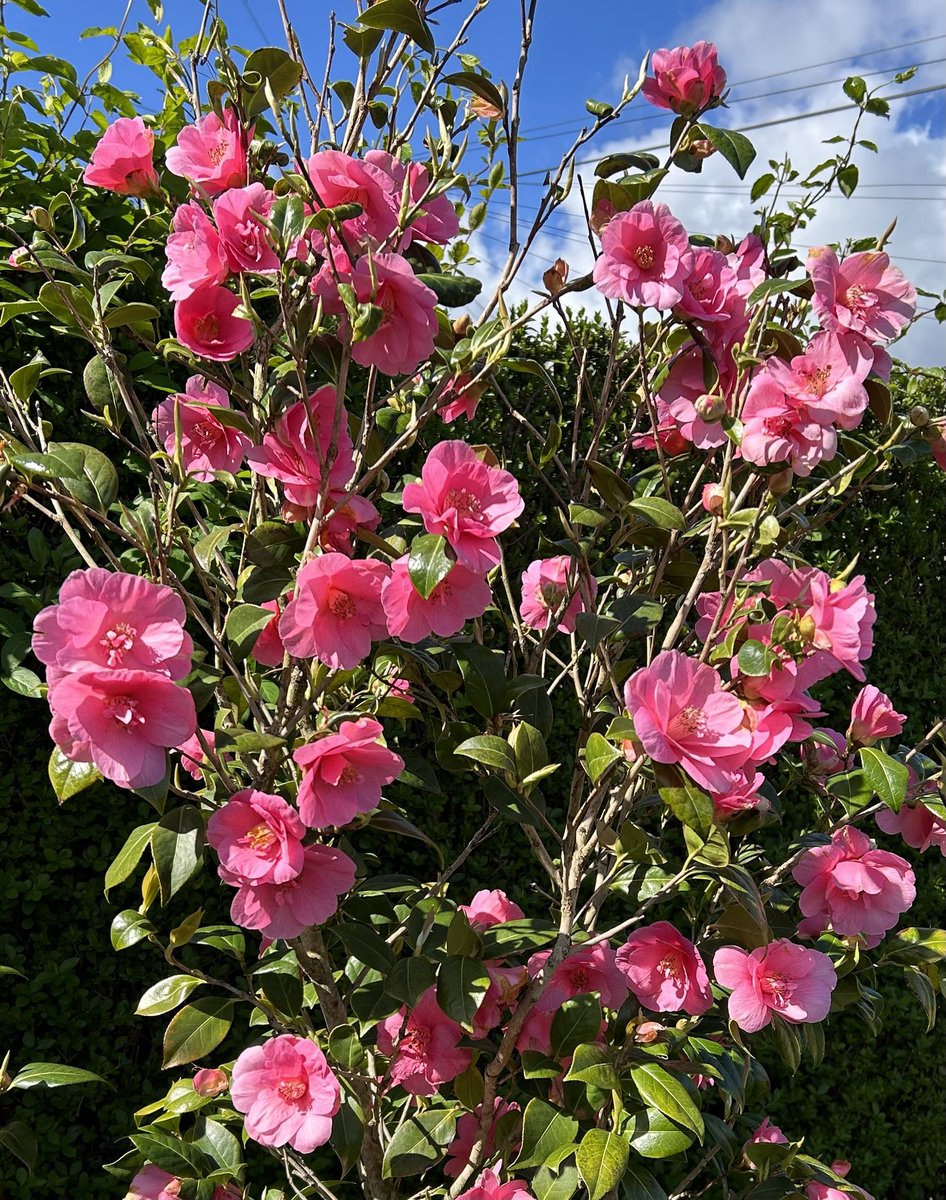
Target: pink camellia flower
column 123, row 721
column 686, row 79
column 645, row 257
column 284, row 910
column 193, row 758
column 545, row 585
column 505, row 985
column 288, row 1092
column 350, row 516
column 779, row 428
column 435, row 219
column 460, row 596
column 916, row 824
column 682, row 715
column 336, row 611
column 713, row 497
column 460, row 1149
column 824, row 1191
column 109, row 620
column 204, row 323
column 258, row 837
column 488, row 908
column 742, row 797
column 825, row 755
column 195, row 255
column 748, row 261
column 240, row 214
column 210, row 1082
column 780, row 978
column 308, row 438
column 853, row 887
column 466, row 501
column 711, row 294
column 864, row 294
column 873, row 717
column 460, row 398
column 697, row 414
column 123, row 159
column 587, row 969
column 768, row 1133
column 405, row 337
column 153, row 1183
column 424, row 1049
column 665, row 970
column 489, row 1187
column 344, row 772
column 828, row 379
column 340, row 179
column 206, row 444
column 268, row 649
column 212, row 153
column 838, row 620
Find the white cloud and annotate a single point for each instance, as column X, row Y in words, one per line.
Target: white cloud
column 757, row 38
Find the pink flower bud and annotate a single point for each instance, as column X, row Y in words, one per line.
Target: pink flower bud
column 781, row 482
column 648, row 1032
column 210, row 1082
column 713, row 498
column 710, row 407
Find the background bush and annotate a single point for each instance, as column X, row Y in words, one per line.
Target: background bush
column 870, row 1099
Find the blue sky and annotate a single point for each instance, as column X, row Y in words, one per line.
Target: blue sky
column 777, row 58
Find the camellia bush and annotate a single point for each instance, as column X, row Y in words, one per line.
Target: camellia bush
column 293, row 610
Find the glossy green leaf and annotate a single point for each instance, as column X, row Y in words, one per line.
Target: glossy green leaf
column 886, row 776
column 428, row 563
column 128, row 928
column 490, row 751
column 168, row 993
column 177, row 844
column 52, row 1075
column 400, row 16
column 128, row 857
column 735, row 147
column 601, row 1158
column 546, row 1131
column 665, row 1091
column 462, row 984
column 69, row 778
column 196, row 1030
column 419, row 1142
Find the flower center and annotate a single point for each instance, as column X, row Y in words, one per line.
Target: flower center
column 780, row 426
column 463, row 501
column 292, row 1089
column 118, row 642
column 416, row 1042
column 350, row 774
column 672, row 968
column 124, row 711
column 688, row 721
column 341, row 606
column 550, row 595
column 855, row 298
column 218, row 153
column 644, row 257
column 207, row 432
column 579, row 979
column 207, row 328
column 816, row 380
column 779, row 988
column 260, row 837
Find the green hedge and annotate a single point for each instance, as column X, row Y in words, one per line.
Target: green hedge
column 879, row 1103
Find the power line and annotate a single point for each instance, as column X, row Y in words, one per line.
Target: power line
column 800, row 87
column 820, row 112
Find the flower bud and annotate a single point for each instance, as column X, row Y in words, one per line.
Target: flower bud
column 701, row 148
column 40, row 218
column 713, row 498
column 710, row 406
column 648, row 1032
column 919, row 416
column 210, row 1082
column 781, row 482
column 462, row 325
column 601, row 216
column 556, row 276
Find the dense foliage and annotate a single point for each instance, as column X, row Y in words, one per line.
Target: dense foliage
column 562, row 952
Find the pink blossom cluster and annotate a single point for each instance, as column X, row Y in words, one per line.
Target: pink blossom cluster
column 114, row 647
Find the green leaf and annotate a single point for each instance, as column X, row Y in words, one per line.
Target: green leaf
column 528, row 746
column 177, row 844
column 634, row 161
column 577, row 1020
column 409, row 978
column 452, row 291
column 348, row 1132
column 428, row 563
column 489, row 750
column 655, row 1136
column 177, row 1157
column 847, row 179
column 344, row 1046
column 479, row 85
column 773, row 287
column 42, row 1074
column 660, row 1089
column 196, row 1030
column 601, row 1158
column 761, row 186
column 484, row 678
column 755, row 658
column 419, row 1142
column 545, row 1132
column 658, row 512
column 855, row 88
column 69, row 778
column 462, row 983
column 737, row 150
column 366, row 944
column 549, row 1185
column 167, row 994
column 852, row 788
column 639, row 1184
column 887, row 777
column 915, row 946
column 268, row 72
column 685, row 800
column 591, row 1063
column 598, row 755
column 84, row 472
column 24, row 379
column 244, row 625
column 19, row 1139
column 128, row 857
column 130, row 314
column 129, row 928
column 400, row 16
column 513, row 938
